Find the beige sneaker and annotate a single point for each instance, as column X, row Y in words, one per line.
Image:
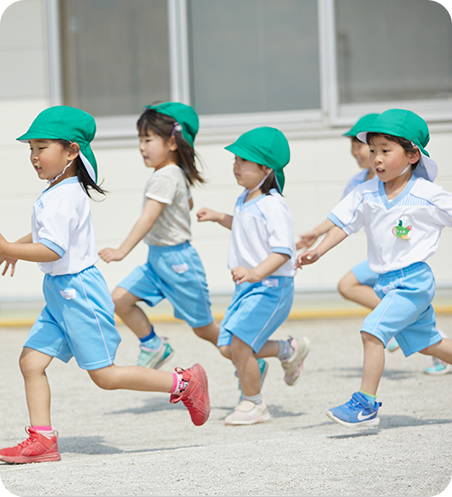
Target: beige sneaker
column 294, row 366
column 248, row 413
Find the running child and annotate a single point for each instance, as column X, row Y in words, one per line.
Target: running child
column 403, row 213
column 78, row 319
column 261, row 259
column 173, row 269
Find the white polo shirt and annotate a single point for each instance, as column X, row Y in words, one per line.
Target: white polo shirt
column 260, row 227
column 418, row 215
column 61, row 221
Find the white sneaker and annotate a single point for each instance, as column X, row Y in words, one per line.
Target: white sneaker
column 294, row 366
column 248, row 413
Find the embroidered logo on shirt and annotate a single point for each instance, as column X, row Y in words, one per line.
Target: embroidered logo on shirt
column 68, row 294
column 401, row 232
column 180, row 268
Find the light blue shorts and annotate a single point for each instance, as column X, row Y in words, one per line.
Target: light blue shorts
column 78, row 320
column 364, row 274
column 175, row 273
column 405, row 311
column 257, row 310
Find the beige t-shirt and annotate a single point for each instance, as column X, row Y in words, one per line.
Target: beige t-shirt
column 169, row 186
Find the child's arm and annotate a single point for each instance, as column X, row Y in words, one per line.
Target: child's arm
column 26, row 251
column 333, row 238
column 309, row 238
column 206, row 214
column 10, row 261
column 151, row 212
column 274, row 261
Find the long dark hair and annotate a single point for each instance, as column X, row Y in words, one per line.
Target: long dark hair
column 403, row 142
column 269, row 183
column 163, row 125
column 82, row 174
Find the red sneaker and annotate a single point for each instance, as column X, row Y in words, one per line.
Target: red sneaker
column 196, row 395
column 37, row 448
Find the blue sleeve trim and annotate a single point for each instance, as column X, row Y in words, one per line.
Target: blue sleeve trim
column 52, row 246
column 335, row 220
column 282, row 250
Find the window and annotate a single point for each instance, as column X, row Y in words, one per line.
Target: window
column 294, row 63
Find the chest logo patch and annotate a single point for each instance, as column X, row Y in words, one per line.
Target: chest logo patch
column 401, row 232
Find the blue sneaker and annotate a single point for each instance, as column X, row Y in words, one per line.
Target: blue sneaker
column 357, row 412
column 263, row 368
column 155, row 358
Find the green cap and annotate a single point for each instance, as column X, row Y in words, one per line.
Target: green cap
column 406, row 124
column 266, row 146
column 361, row 125
column 183, row 114
column 66, row 123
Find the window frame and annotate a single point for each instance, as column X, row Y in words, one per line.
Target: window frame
column 214, row 128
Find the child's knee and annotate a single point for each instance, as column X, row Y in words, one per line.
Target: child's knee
column 120, row 301
column 103, row 379
column 29, row 367
column 225, row 351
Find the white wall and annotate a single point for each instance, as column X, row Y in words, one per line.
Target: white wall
column 315, row 178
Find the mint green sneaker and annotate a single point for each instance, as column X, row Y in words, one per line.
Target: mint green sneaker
column 392, row 345
column 155, row 358
column 438, row 367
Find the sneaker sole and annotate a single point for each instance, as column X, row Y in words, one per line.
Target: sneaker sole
column 438, row 373
column 28, row 460
column 307, row 347
column 245, row 422
column 361, row 424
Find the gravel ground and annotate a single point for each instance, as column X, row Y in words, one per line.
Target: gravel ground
column 137, row 444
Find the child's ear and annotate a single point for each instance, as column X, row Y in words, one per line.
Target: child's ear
column 415, row 156
column 172, row 144
column 74, row 150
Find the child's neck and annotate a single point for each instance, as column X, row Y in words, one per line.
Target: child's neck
column 252, row 195
column 396, row 186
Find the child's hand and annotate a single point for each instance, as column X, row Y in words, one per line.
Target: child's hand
column 307, row 240
column 306, row 258
column 8, row 262
column 240, row 274
column 109, row 255
column 206, row 214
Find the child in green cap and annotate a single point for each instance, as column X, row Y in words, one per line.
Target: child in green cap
column 403, row 213
column 261, row 259
column 173, row 269
column 78, row 319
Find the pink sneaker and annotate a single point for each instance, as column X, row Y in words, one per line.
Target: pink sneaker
column 37, row 448
column 196, row 395
column 294, row 366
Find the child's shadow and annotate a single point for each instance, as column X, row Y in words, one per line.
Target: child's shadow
column 154, row 404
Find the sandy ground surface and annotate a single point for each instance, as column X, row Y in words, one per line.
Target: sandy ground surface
column 138, row 444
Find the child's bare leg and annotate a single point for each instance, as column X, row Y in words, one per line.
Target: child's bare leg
column 132, row 378
column 209, row 332
column 247, row 367
column 442, row 350
column 351, row 289
column 33, row 365
column 132, row 315
column 374, row 362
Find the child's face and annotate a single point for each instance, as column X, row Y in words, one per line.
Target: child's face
column 360, row 152
column 248, row 174
column 49, row 158
column 389, row 159
column 156, row 152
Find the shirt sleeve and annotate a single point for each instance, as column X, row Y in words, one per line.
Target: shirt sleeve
column 56, row 224
column 162, row 186
column 280, row 228
column 442, row 201
column 349, row 212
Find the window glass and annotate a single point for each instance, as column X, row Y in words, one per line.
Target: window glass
column 115, row 54
column 254, row 55
column 393, row 50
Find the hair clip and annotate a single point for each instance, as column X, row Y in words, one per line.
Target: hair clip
column 176, row 127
